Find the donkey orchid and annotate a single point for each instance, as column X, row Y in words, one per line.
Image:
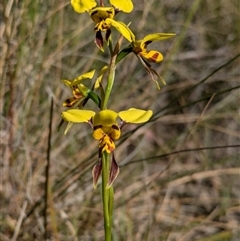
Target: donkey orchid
column 103, row 17
column 106, row 129
column 78, row 89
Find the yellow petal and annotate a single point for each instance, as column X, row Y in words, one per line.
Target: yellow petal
column 105, row 118
column 153, row 56
column 67, row 82
column 124, row 5
column 122, row 28
column 156, row 37
column 88, row 75
column 98, row 133
column 81, row 6
column 135, row 115
column 115, row 133
column 77, row 116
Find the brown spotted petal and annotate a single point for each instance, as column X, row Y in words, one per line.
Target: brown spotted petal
column 70, row 102
column 114, row 171
column 96, row 172
column 152, row 56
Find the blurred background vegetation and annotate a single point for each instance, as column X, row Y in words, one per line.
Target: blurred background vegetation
column 179, row 177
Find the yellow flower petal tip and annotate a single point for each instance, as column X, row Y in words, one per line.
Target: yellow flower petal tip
column 157, row 37
column 124, row 5
column 78, row 80
column 81, row 6
column 77, row 116
column 135, row 115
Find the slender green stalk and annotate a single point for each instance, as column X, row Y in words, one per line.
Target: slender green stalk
column 107, row 193
column 110, row 205
column 107, row 201
column 110, row 82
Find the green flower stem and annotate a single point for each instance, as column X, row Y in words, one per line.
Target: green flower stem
column 107, row 195
column 110, row 205
column 110, row 81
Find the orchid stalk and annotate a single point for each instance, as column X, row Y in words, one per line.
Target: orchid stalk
column 107, row 124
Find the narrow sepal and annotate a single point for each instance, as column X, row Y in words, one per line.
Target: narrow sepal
column 99, row 40
column 69, row 125
column 107, row 36
column 96, row 172
column 150, row 71
column 114, row 171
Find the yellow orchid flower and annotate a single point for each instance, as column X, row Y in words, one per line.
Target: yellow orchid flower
column 140, row 46
column 106, row 129
column 78, row 89
column 103, row 17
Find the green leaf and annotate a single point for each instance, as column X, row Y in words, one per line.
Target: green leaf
column 94, row 97
column 123, row 53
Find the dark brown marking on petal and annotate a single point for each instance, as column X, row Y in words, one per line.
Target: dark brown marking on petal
column 115, row 127
column 148, row 42
column 70, row 102
column 97, row 127
column 108, row 34
column 154, row 57
column 111, row 148
column 94, row 12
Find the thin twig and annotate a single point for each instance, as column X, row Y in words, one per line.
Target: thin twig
column 47, row 170
column 19, row 222
column 152, row 158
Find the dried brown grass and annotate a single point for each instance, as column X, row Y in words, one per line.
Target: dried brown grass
column 186, row 196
